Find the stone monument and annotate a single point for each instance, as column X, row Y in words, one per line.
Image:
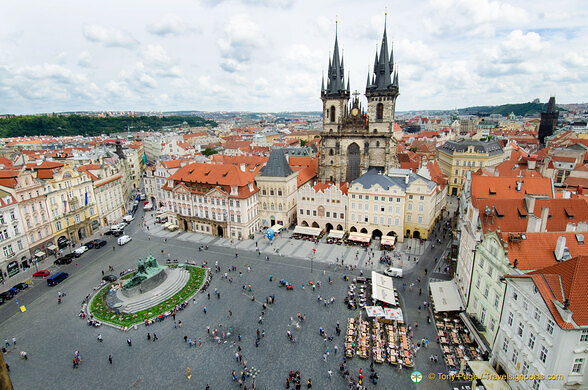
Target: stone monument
column 149, row 275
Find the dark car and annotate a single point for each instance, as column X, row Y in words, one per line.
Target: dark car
column 108, row 232
column 109, row 278
column 99, row 244
column 89, row 244
column 118, row 233
column 20, row 286
column 65, row 259
column 7, row 295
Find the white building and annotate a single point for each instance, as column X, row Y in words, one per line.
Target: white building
column 13, row 241
column 544, row 327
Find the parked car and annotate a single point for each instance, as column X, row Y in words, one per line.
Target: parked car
column 89, row 244
column 108, row 232
column 128, row 218
column 99, row 243
column 7, row 295
column 80, row 251
column 118, row 233
column 109, row 278
column 124, row 239
column 65, row 259
column 41, row 274
column 20, row 286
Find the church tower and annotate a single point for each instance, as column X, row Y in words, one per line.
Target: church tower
column 335, row 96
column 354, row 141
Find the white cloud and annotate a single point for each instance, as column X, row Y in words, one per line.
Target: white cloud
column 241, row 38
column 471, row 17
column 84, row 59
column 171, row 24
column 109, row 36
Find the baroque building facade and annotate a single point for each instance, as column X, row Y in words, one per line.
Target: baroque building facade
column 353, row 140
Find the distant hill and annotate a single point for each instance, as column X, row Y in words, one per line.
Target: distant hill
column 64, row 125
column 519, row 109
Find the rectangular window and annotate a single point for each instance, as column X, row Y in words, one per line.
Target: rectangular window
column 584, row 336
column 525, row 305
column 496, row 301
column 543, row 354
column 314, row 213
column 515, row 296
column 397, row 209
column 420, row 219
column 397, row 200
column 421, row 207
column 531, row 342
column 492, row 324
column 549, row 326
column 410, row 197
column 353, row 205
column 537, row 316
column 375, row 198
column 505, row 346
column 525, row 369
column 328, row 214
column 509, row 319
column 515, row 356
column 301, row 211
column 409, row 206
column 422, row 197
column 397, row 221
column 486, row 292
column 578, row 366
column 342, row 215
column 521, row 329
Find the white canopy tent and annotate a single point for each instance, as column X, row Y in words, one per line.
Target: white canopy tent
column 359, row 237
column 486, row 373
column 388, row 240
column 277, row 228
column 445, row 296
column 308, row 231
column 383, row 289
column 336, row 234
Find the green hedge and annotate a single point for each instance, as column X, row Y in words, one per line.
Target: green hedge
column 103, row 313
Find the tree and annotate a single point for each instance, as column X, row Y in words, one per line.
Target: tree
column 303, row 142
column 414, row 149
column 209, row 152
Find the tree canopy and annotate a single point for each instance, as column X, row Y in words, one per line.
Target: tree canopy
column 69, row 125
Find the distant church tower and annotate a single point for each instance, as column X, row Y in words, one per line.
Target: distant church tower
column 548, row 121
column 353, row 141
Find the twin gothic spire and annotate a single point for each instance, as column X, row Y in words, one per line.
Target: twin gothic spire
column 384, row 76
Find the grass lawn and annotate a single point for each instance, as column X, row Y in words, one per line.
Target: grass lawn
column 103, row 313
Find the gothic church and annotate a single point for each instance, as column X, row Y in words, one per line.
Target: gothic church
column 352, row 140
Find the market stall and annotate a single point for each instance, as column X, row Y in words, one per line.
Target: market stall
column 335, row 237
column 359, row 238
column 277, row 228
column 305, row 232
column 387, row 243
column 383, row 289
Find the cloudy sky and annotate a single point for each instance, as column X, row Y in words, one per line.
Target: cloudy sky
column 268, row 55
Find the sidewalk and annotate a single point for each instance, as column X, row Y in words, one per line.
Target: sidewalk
column 407, row 253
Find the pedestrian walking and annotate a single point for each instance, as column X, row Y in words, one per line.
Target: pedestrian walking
column 110, row 358
column 188, row 373
column 148, row 336
column 154, row 337
column 129, row 342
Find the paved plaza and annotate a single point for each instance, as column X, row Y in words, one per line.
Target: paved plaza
column 50, row 333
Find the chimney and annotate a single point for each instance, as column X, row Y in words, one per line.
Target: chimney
column 533, row 224
column 544, row 216
column 531, row 164
column 406, row 180
column 571, row 227
column 582, row 227
column 530, row 202
column 518, row 186
column 242, row 166
column 559, row 248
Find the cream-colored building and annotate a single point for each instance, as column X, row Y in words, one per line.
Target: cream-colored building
column 323, row 205
column 134, row 155
column 457, row 157
column 108, row 189
column 277, row 184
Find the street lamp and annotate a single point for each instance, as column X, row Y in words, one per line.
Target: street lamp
column 312, row 258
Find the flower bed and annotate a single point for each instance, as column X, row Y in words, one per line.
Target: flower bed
column 103, row 313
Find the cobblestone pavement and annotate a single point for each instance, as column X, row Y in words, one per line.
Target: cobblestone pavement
column 50, row 333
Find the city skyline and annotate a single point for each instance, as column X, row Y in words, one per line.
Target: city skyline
column 259, row 55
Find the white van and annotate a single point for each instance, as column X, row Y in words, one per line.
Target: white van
column 128, row 218
column 394, row 272
column 124, row 239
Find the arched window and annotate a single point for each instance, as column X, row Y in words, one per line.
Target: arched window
column 272, row 192
column 380, row 111
column 332, row 113
column 280, row 207
column 279, row 192
column 265, row 206
column 272, row 207
column 331, row 152
column 377, row 144
column 264, row 192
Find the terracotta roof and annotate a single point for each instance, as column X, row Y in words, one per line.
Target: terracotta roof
column 496, row 187
column 563, row 159
column 88, row 168
column 108, row 180
column 536, row 250
column 170, row 164
column 236, row 144
column 221, row 175
column 135, row 145
column 322, row 186
column 305, row 175
column 6, row 162
column 3, row 203
column 8, row 178
column 436, row 173
column 561, row 281
column 511, row 214
column 253, row 163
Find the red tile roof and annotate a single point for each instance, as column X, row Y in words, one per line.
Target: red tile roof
column 6, row 162
column 322, row 186
column 222, row 175
column 253, row 163
column 496, row 187
column 170, row 164
column 561, row 281
column 8, row 178
column 536, row 250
